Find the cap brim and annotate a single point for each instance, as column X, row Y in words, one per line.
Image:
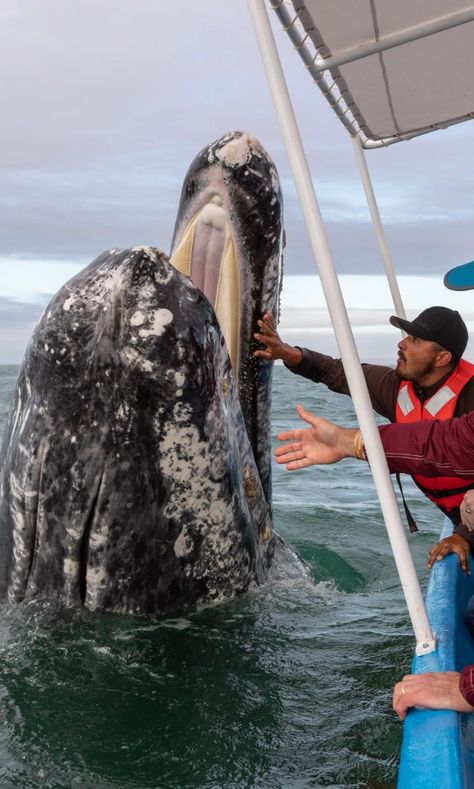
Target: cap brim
column 410, row 327
column 460, row 277
column 401, row 323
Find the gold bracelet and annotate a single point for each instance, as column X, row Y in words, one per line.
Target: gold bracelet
column 359, row 448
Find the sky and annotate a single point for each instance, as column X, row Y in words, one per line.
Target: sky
column 107, row 102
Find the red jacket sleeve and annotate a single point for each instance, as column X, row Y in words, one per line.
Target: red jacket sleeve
column 466, row 684
column 435, row 448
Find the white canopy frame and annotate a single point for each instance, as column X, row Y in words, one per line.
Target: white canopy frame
column 425, row 640
column 396, row 39
column 297, row 23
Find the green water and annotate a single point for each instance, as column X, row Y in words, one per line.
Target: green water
column 288, row 686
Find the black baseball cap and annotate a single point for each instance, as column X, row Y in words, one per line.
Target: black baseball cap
column 438, row 324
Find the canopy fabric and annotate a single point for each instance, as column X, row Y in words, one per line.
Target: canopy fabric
column 402, row 91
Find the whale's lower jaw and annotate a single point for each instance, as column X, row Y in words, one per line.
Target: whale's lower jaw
column 127, row 479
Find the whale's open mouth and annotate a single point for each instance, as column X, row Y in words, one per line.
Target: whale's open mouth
column 207, row 254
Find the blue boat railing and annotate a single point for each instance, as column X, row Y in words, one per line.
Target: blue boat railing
column 438, row 745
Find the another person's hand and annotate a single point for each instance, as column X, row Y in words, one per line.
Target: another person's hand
column 467, row 510
column 275, row 348
column 452, row 544
column 435, row 690
column 322, row 443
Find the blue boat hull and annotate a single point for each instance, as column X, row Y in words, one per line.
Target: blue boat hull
column 438, row 745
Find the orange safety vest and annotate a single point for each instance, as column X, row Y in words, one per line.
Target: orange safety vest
column 446, row 492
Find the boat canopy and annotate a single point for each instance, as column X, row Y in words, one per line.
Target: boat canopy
column 391, row 70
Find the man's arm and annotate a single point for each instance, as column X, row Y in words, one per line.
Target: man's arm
column 382, row 382
column 435, row 448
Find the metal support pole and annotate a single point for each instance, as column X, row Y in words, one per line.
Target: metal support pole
column 403, row 559
column 378, row 227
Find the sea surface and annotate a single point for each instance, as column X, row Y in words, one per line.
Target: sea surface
column 288, row 686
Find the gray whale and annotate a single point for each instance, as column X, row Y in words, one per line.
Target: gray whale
column 135, row 467
column 124, row 464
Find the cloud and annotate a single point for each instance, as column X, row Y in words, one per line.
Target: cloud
column 104, row 112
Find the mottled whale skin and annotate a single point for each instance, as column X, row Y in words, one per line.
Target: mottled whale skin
column 232, row 195
column 127, row 480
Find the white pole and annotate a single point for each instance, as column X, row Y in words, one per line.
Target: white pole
column 378, row 227
column 403, row 559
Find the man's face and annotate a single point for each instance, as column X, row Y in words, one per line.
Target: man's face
column 416, row 358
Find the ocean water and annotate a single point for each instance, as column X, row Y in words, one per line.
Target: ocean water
column 288, row 686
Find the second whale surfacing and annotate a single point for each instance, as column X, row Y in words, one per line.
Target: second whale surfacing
column 129, row 478
column 229, row 238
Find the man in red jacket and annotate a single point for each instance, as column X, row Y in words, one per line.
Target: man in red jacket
column 431, row 381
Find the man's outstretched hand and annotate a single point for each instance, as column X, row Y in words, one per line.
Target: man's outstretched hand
column 321, row 444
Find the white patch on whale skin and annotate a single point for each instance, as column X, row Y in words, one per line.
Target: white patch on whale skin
column 238, row 151
column 164, row 272
column 96, row 578
column 137, row 318
column 123, row 411
column 132, row 356
column 68, row 303
column 162, row 278
column 177, row 377
column 194, row 492
column 183, row 546
column 23, row 503
column 74, row 530
column 25, row 418
column 275, row 179
column 71, row 569
column 16, row 414
column 182, row 413
column 149, row 251
column 113, row 281
column 98, row 539
column 184, row 443
column 161, row 319
column 23, row 450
